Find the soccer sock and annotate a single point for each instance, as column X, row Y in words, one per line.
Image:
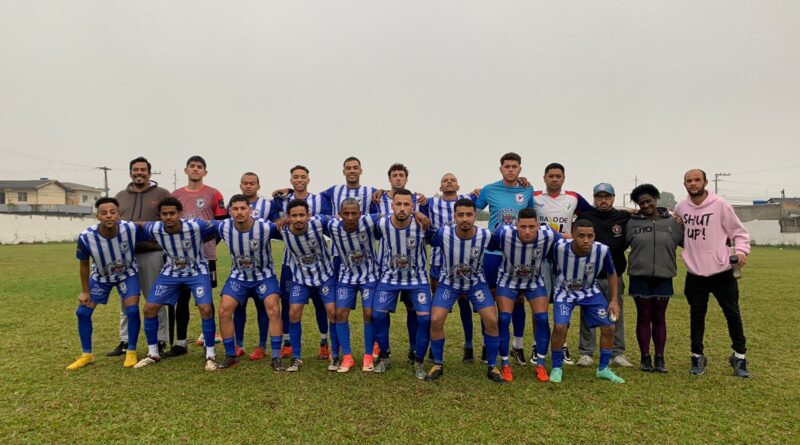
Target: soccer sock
column 134, row 325
column 151, row 331
column 492, row 345
column 518, row 321
column 230, row 346
column 738, row 355
column 465, row 311
column 181, row 343
column 343, row 333
column 369, row 338
column 285, row 337
column 334, row 339
column 84, row 314
column 503, row 321
column 437, row 347
column 423, row 335
column 557, row 357
column 323, row 339
column 239, row 320
column 209, row 328
column 412, row 323
column 518, row 341
column 275, row 345
column 542, row 337
column 296, row 337
column 605, row 357
column 263, row 324
column 381, row 331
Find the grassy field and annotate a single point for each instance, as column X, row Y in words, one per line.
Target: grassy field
column 177, row 402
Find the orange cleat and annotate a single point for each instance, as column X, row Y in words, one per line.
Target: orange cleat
column 368, row 365
column 376, row 350
column 505, row 371
column 258, row 354
column 541, row 373
column 240, row 351
column 347, row 363
column 324, row 352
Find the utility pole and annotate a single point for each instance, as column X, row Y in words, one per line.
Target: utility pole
column 635, row 181
column 174, row 179
column 105, row 178
column 716, row 180
column 783, row 193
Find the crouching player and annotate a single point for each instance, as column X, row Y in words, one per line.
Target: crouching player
column 186, row 267
column 578, row 262
column 252, row 274
column 463, row 247
column 110, row 245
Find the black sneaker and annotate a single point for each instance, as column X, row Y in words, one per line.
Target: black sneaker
column 175, row 351
column 162, row 347
column 567, row 358
column 119, row 350
column 483, row 355
column 647, row 363
column 229, row 362
column 519, row 356
column 699, row 364
column 494, row 375
column 469, row 355
column 277, row 365
column 660, row 365
column 435, row 372
column 739, row 367
column 412, row 357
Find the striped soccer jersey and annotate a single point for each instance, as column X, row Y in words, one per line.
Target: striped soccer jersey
column 113, row 259
column 338, row 193
column 251, row 253
column 402, row 254
column 521, row 267
column 356, row 249
column 442, row 214
column 264, row 209
column 309, row 260
column 576, row 276
column 463, row 258
column 184, row 250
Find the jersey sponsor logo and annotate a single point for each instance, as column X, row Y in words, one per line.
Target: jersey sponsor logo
column 116, row 268
column 160, row 290
column 262, row 288
column 401, row 262
column 244, row 263
column 309, row 259
column 508, row 216
column 462, row 271
column 522, row 271
column 422, row 298
column 200, row 203
column 181, row 263
column 574, row 284
column 356, row 257
column 235, row 286
column 199, row 291
column 479, row 296
column 519, row 198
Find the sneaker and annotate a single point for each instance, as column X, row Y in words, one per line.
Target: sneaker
column 419, row 371
column 162, row 347
column 469, row 355
column 201, row 340
column 608, row 374
column 519, row 356
column 585, row 361
column 533, row 355
column 229, row 362
column 435, row 372
column 286, row 351
column 505, row 371
column 119, row 350
column 483, row 355
column 622, row 361
column 258, row 354
column 412, row 357
column 347, row 363
column 567, row 358
column 130, row 359
column 661, row 367
column 333, row 363
column 646, row 364
column 85, row 359
column 739, row 366
column 324, row 352
column 383, row 365
column 541, row 374
column 240, row 351
column 699, row 364
column 176, row 351
column 295, row 366
column 494, row 375
column 277, row 365
column 368, row 363
column 147, row 361
column 556, row 374
column 211, row 364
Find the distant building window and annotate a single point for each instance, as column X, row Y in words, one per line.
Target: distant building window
column 790, row 225
column 22, row 196
column 84, row 199
column 2, row 197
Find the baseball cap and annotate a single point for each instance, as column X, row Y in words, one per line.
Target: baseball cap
column 604, row 187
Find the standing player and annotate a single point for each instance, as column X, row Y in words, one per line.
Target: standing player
column 111, row 245
column 525, row 248
column 251, row 275
column 352, row 188
column 578, row 262
column 463, row 247
column 186, row 267
column 199, row 201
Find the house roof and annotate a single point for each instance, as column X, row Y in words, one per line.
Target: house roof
column 28, row 184
column 783, row 200
column 71, row 186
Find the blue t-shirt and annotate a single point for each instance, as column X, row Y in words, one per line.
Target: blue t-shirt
column 504, row 203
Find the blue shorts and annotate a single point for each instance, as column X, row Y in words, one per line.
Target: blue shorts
column 346, row 295
column 435, row 272
column 530, row 294
column 385, row 299
column 594, row 310
column 480, row 296
column 241, row 290
column 165, row 289
column 98, row 292
column 491, row 264
column 301, row 293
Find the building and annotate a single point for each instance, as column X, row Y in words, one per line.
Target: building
column 46, row 195
column 773, row 222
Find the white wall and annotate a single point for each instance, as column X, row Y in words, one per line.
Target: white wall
column 15, row 229
column 768, row 233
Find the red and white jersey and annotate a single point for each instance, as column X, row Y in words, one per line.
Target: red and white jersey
column 206, row 203
column 558, row 211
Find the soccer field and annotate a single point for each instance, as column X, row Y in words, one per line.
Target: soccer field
column 177, row 402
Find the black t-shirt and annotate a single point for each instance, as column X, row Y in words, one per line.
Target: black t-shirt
column 609, row 229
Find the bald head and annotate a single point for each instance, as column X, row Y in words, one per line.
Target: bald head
column 695, row 183
column 695, row 171
column 449, row 185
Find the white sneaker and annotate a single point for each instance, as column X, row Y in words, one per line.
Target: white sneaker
column 211, row 364
column 621, row 360
column 149, row 360
column 585, row 361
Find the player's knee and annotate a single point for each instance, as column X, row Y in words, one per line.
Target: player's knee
column 379, row 317
column 559, row 329
column 151, row 310
column 205, row 311
column 607, row 331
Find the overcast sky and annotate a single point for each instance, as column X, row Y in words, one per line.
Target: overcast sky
column 613, row 90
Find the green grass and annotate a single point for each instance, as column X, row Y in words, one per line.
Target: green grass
column 177, row 402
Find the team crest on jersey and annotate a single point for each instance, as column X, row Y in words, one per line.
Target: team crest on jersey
column 519, row 198
column 200, row 203
column 476, row 252
column 522, row 271
column 411, row 242
column 365, row 295
column 617, row 230
column 601, row 313
column 363, row 237
column 422, row 298
column 479, row 296
column 235, row 286
column 509, row 216
column 262, row 288
column 589, row 269
column 312, row 243
column 123, row 287
column 123, row 245
column 199, row 291
column 325, row 290
column 462, row 271
column 253, row 244
column 186, row 244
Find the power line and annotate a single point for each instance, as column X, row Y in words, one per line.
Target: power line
column 716, row 180
column 105, row 178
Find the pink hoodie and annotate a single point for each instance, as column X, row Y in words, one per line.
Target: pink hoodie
column 707, row 228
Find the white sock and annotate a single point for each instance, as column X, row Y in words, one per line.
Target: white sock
column 737, row 355
column 504, row 358
column 210, row 352
column 152, row 350
column 285, row 337
column 323, row 336
column 181, row 343
column 518, row 342
column 696, row 355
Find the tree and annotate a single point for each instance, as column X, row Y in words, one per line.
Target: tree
column 668, row 200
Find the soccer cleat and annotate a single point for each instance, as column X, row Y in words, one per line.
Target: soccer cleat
column 119, row 350
column 147, row 361
column 201, row 340
column 556, row 374
column 86, row 358
column 419, row 371
column 494, row 375
column 585, row 361
column 286, row 351
column 519, row 356
column 324, row 352
column 505, row 371
column 646, row 364
column 333, row 363
column 435, row 372
column 162, row 347
column 176, row 351
column 295, row 366
column 699, row 364
column 608, row 374
column 622, row 361
column 383, row 365
column 567, row 358
column 483, row 355
column 739, row 366
column 240, row 351
column 211, row 364
column 277, row 365
column 217, row 338
column 469, row 355
column 229, row 362
column 660, row 366
column 130, row 359
column 347, row 363
column 368, row 365
column 258, row 354
column 541, row 374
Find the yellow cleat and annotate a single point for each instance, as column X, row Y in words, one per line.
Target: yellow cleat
column 85, row 359
column 130, row 359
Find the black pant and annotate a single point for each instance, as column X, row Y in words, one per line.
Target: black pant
column 179, row 316
column 726, row 290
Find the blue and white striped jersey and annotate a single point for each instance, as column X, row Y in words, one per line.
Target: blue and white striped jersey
column 184, row 250
column 521, row 267
column 384, row 207
column 442, row 214
column 356, row 249
column 265, row 209
column 309, row 260
column 338, row 193
column 402, row 254
column 317, row 205
column 463, row 258
column 575, row 276
column 251, row 253
column 113, row 259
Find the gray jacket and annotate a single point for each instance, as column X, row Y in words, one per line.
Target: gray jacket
column 653, row 245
